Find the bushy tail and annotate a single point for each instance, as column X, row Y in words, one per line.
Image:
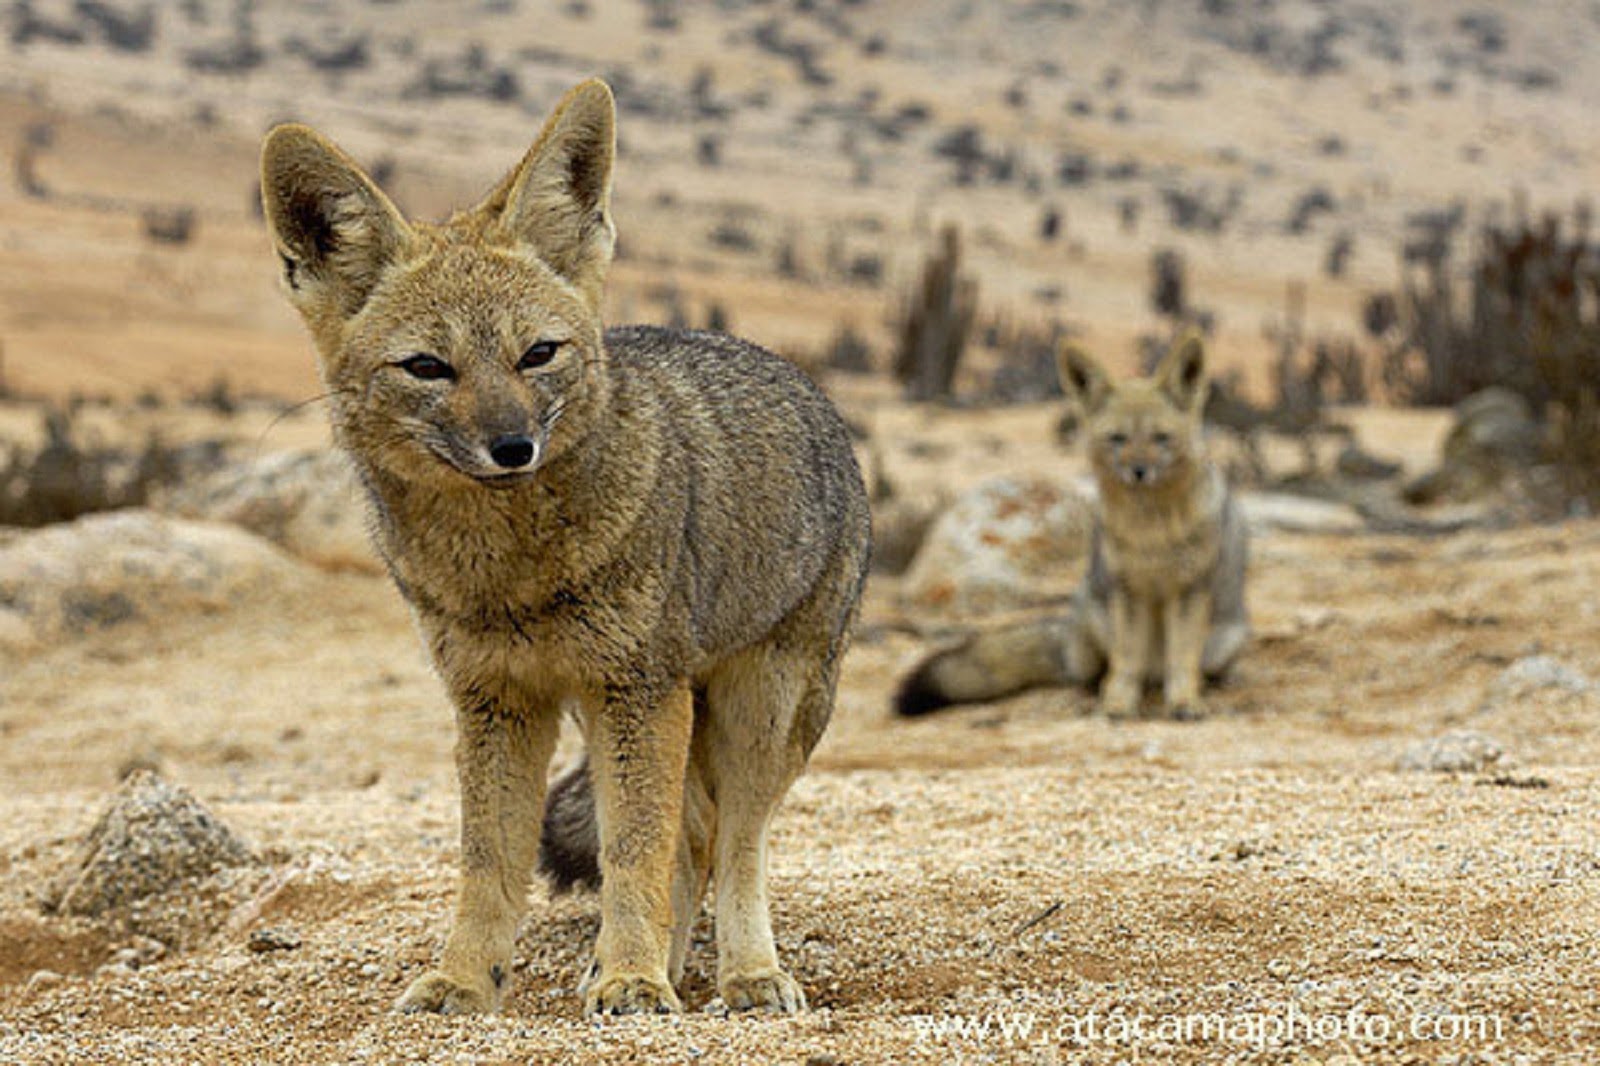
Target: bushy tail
column 987, row 666
column 569, row 845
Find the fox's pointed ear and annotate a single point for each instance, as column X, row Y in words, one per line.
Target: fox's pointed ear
column 1082, row 378
column 1182, row 373
column 558, row 199
column 335, row 230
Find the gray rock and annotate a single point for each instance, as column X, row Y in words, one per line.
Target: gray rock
column 1007, row 543
column 1456, row 752
column 106, row 570
column 308, row 502
column 153, row 837
column 1533, row 674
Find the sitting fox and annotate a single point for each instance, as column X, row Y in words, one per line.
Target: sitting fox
column 662, row 532
column 1162, row 602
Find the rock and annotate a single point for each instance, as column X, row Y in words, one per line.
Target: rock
column 1005, row 544
column 899, row 526
column 308, row 502
column 1266, row 511
column 107, row 570
column 153, row 837
column 1457, row 752
column 1531, row 674
column 1494, row 436
column 272, row 938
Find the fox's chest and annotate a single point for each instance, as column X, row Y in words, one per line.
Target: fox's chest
column 1162, row 563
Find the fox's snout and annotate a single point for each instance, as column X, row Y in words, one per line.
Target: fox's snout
column 512, row 451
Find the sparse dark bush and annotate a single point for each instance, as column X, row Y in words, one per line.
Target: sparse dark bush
column 733, row 236
column 708, row 150
column 1050, row 224
column 27, row 26
column 239, row 53
column 68, row 476
column 124, row 30
column 218, row 397
column 936, row 323
column 848, row 352
column 1168, row 291
column 1527, row 318
column 1340, row 249
column 338, row 54
column 1201, row 209
column 1311, row 203
column 169, row 225
column 470, row 74
column 1027, row 371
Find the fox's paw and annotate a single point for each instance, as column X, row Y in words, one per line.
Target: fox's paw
column 630, row 994
column 1120, row 699
column 439, row 993
column 773, row 991
column 1187, row 710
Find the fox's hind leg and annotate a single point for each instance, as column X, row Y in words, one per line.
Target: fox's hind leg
column 764, row 706
column 693, row 867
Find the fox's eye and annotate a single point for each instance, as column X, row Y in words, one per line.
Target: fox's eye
column 428, row 368
column 1117, row 440
column 538, row 354
column 1162, row 439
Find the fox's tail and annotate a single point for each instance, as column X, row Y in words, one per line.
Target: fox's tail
column 569, row 844
column 986, row 666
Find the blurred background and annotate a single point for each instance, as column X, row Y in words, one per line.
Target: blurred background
column 1359, row 203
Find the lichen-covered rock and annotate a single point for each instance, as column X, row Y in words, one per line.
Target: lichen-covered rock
column 105, row 570
column 1007, row 543
column 308, row 502
column 153, row 837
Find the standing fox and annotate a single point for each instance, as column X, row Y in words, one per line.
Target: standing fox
column 664, row 532
column 1163, row 600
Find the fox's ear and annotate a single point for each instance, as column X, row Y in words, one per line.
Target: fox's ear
column 1082, row 378
column 1182, row 373
column 558, row 199
column 335, row 230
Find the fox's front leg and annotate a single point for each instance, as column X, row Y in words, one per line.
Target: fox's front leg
column 1131, row 621
column 502, row 758
column 1188, row 622
column 638, row 751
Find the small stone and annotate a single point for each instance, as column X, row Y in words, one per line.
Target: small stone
column 1535, row 673
column 43, row 979
column 272, row 938
column 1457, row 752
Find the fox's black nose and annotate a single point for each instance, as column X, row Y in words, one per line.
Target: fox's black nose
column 1141, row 474
column 511, row 451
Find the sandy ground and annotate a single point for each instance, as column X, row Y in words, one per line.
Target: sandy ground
column 1024, row 863
column 1019, row 882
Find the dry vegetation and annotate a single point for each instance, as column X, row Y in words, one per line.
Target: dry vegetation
column 1393, row 811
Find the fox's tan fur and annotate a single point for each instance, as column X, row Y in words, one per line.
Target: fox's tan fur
column 662, row 532
column 1162, row 602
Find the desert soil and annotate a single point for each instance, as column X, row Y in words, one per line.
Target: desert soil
column 1024, row 865
column 1026, row 860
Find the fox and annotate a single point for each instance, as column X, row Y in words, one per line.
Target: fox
column 661, row 533
column 1162, row 601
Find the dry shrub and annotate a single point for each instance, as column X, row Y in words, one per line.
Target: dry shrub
column 1527, row 318
column 70, row 476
